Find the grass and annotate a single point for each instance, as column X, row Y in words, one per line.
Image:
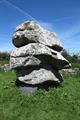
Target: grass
column 62, row 103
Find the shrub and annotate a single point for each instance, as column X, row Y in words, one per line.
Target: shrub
column 4, row 56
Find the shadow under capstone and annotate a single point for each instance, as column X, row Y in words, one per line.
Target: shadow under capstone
column 33, row 88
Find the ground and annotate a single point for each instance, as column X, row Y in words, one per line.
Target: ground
column 62, row 103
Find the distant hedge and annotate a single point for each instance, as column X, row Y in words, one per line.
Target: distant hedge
column 4, row 56
column 74, row 58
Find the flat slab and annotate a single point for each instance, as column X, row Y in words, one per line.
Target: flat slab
column 37, row 75
column 35, row 54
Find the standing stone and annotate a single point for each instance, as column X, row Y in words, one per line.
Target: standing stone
column 37, row 58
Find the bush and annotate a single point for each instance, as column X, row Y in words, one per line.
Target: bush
column 4, row 56
column 73, row 59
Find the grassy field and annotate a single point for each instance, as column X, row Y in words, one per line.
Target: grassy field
column 62, row 103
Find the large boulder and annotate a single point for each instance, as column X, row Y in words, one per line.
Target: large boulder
column 31, row 32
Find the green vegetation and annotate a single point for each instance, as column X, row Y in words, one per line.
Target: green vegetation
column 62, row 103
column 2, row 62
column 73, row 59
column 4, row 57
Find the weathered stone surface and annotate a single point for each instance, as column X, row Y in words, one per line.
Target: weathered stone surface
column 18, row 62
column 31, row 32
column 37, row 60
column 36, row 54
column 37, row 75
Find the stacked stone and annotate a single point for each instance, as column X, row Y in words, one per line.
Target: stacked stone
column 37, row 58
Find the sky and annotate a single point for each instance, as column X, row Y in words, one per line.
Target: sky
column 59, row 16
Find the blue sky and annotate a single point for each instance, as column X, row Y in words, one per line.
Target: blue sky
column 59, row 16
